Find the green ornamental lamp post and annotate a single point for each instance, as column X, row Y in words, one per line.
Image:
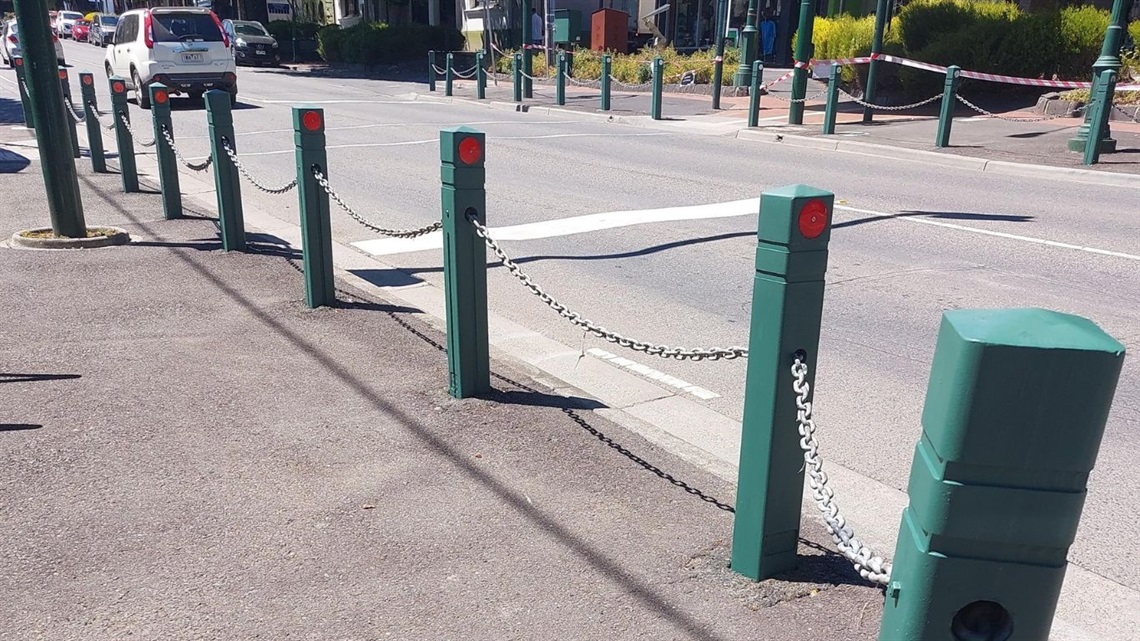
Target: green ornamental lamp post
column 749, row 40
column 1109, row 59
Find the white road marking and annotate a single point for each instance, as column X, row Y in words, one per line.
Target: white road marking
column 650, row 373
column 569, row 226
column 436, row 140
column 347, row 101
column 398, row 124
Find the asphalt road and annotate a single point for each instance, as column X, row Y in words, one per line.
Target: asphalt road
column 921, row 239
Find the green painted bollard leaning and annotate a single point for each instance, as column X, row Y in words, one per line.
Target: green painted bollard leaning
column 832, row 100
column 787, row 305
column 607, row 62
column 949, row 98
column 560, row 82
column 516, row 77
column 655, row 98
column 1098, row 122
column 805, row 50
column 462, row 152
column 164, row 149
column 25, row 100
column 227, row 183
column 754, row 93
column 91, row 118
column 316, row 230
column 125, row 142
column 65, row 87
column 1014, row 415
column 449, row 75
column 431, row 71
column 480, row 76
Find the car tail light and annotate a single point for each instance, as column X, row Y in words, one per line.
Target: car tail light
column 148, row 31
column 225, row 38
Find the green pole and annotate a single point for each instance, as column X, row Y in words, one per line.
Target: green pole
column 1109, row 60
column 231, row 219
column 25, row 101
column 1102, row 107
column 754, row 93
column 718, row 62
column 65, row 205
column 480, row 76
column 1014, row 415
column 946, row 115
column 787, row 306
column 65, row 89
column 749, row 47
column 882, row 13
column 516, row 77
column 655, row 97
column 91, row 118
column 804, row 51
column 607, row 62
column 449, row 75
column 461, row 152
column 560, row 82
column 832, row 100
column 316, row 226
column 527, row 52
column 431, row 71
column 167, row 162
column 124, row 141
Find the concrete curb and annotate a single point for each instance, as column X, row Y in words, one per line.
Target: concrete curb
column 118, row 237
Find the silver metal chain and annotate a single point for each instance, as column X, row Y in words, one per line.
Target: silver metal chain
column 644, row 85
column 664, row 351
column 581, row 83
column 440, row 70
column 869, row 565
column 394, row 233
column 1006, row 118
column 77, row 116
column 539, row 78
column 253, row 181
column 798, row 100
column 1131, row 117
column 98, row 114
column 177, row 154
column 894, row 107
column 466, row 75
column 135, row 136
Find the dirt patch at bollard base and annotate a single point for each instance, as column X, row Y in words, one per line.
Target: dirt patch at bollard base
column 45, row 238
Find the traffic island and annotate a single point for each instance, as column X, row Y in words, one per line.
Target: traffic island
column 44, row 238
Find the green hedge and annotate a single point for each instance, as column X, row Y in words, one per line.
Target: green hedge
column 377, row 43
column 285, row 31
column 634, row 68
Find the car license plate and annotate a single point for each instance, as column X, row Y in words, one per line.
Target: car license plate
column 259, row 52
column 193, row 58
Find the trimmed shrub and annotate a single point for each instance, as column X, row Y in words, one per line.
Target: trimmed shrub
column 1082, row 33
column 285, row 30
column 373, row 43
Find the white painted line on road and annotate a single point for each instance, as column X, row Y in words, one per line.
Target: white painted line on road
column 987, row 232
column 302, row 103
column 399, row 124
column 436, row 140
column 650, row 373
column 569, row 226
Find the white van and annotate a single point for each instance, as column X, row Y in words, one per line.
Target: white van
column 183, row 48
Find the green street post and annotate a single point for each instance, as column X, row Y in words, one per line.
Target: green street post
column 124, row 141
column 431, row 71
column 25, row 101
column 516, row 77
column 462, row 156
column 949, row 101
column 607, row 63
column 754, row 93
column 832, row 105
column 787, row 307
column 65, row 90
column 749, row 47
column 227, row 183
column 804, row 51
column 167, row 162
column 65, row 205
column 718, row 62
column 1014, row 415
column 882, row 14
column 449, row 75
column 655, row 97
column 480, row 76
column 1109, row 60
column 1101, row 108
column 560, row 81
column 316, row 226
column 527, row 52
column 91, row 118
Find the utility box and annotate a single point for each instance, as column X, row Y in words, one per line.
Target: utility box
column 609, row 31
column 567, row 26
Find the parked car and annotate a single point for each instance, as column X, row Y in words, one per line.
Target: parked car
column 103, row 30
column 65, row 21
column 80, row 30
column 184, row 48
column 252, row 43
column 11, row 46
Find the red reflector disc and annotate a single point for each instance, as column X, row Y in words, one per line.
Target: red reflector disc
column 118, row 87
column 87, row 80
column 311, row 121
column 470, row 150
column 813, row 219
column 160, row 97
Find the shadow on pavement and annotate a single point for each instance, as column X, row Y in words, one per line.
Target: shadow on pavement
column 944, row 215
column 35, row 378
column 18, row 427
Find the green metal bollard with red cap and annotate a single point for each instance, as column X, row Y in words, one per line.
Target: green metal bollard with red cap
column 25, row 100
column 167, row 162
column 316, row 227
column 65, row 88
column 227, row 183
column 91, row 119
column 128, row 171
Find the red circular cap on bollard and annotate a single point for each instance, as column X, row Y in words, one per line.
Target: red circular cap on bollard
column 470, row 150
column 118, row 87
column 311, row 120
column 160, row 97
column 86, row 79
column 813, row 219
column 19, row 62
column 62, row 74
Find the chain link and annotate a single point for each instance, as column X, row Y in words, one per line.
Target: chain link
column 798, row 100
column 664, row 351
column 177, row 154
column 644, row 85
column 253, row 181
column 581, row 83
column 891, row 108
column 869, row 565
column 394, row 233
column 98, row 117
column 1130, row 117
column 135, row 136
column 439, row 70
column 77, row 116
column 1006, row 118
column 466, row 75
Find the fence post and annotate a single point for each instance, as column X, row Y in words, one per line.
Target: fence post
column 65, row 87
column 560, row 83
column 449, row 75
column 516, row 76
column 655, row 98
column 787, row 305
column 946, row 115
column 805, row 50
column 125, row 142
column 91, row 117
column 25, row 100
column 480, row 76
column 607, row 63
column 754, row 93
column 316, row 228
column 461, row 151
column 1014, row 415
column 832, row 100
column 1098, row 122
column 167, row 163
column 231, row 220
column 431, row 70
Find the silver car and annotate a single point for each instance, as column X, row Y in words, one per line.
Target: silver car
column 10, row 33
column 64, row 21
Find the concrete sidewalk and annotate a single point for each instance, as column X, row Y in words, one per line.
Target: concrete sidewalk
column 189, row 453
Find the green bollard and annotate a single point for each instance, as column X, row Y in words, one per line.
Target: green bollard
column 946, row 115
column 832, row 100
column 480, row 76
column 516, row 76
column 431, row 71
column 606, row 74
column 25, row 101
column 1098, row 122
column 65, row 87
column 231, row 220
column 449, row 75
column 128, row 170
column 754, row 93
column 91, row 118
column 1014, row 415
column 560, row 82
column 787, row 305
column 167, row 162
column 655, row 98
column 805, row 51
column 461, row 152
column 316, row 227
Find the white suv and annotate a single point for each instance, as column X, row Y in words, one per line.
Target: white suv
column 184, row 48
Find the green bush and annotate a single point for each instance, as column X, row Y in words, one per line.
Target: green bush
column 373, row 43
column 1082, row 33
column 329, row 39
column 285, row 30
column 634, row 68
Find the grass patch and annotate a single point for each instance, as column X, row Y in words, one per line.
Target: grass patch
column 1118, row 97
column 92, row 232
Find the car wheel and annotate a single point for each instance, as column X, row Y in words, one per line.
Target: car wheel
column 141, row 96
